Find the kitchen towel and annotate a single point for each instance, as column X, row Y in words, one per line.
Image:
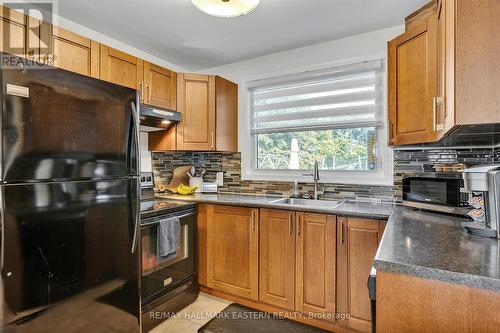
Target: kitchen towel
column 168, row 236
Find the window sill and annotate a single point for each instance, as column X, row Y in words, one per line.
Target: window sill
column 376, row 178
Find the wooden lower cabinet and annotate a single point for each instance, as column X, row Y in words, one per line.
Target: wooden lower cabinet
column 277, row 258
column 297, row 261
column 424, row 305
column 357, row 243
column 315, row 267
column 233, row 250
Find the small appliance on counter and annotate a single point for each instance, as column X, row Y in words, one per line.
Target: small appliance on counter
column 484, row 182
column 436, row 191
column 209, row 187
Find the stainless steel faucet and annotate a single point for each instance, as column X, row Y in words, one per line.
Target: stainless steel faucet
column 315, row 175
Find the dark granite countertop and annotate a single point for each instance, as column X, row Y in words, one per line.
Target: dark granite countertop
column 434, row 246
column 359, row 209
column 422, row 244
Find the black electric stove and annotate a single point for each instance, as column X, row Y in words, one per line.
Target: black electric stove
column 170, row 283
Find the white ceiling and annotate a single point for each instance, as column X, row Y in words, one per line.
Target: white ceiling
column 176, row 31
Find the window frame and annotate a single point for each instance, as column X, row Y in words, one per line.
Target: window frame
column 248, row 142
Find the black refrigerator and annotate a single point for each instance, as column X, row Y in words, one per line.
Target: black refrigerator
column 69, row 203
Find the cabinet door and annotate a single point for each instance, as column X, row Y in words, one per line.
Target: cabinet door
column 277, row 258
column 75, row 53
column 13, row 32
column 412, row 71
column 226, row 95
column 196, row 102
column 315, row 272
column 233, row 250
column 161, row 86
column 357, row 244
column 120, row 68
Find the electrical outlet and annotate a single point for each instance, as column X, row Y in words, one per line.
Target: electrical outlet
column 220, row 179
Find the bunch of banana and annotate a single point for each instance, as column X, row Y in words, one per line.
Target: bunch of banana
column 185, row 190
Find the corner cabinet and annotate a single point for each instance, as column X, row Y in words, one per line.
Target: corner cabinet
column 232, row 238
column 357, row 243
column 442, row 71
column 209, row 108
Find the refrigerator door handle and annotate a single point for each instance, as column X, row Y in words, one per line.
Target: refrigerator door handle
column 135, row 118
column 137, row 217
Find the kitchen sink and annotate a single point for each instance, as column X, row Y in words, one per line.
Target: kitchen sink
column 306, row 202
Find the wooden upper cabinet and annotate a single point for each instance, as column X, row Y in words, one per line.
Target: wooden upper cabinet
column 196, row 102
column 443, row 71
column 21, row 35
column 13, row 29
column 477, row 61
column 315, row 266
column 226, row 100
column 209, row 107
column 277, row 258
column 233, row 250
column 412, row 68
column 75, row 53
column 120, row 68
column 160, row 85
column 357, row 243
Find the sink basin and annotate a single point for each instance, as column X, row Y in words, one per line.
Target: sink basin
column 306, row 202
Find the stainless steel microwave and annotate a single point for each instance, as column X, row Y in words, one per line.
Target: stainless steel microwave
column 442, row 192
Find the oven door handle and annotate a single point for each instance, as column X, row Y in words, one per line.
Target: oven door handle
column 158, row 221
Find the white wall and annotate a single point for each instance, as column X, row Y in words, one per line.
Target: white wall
column 288, row 61
column 146, row 163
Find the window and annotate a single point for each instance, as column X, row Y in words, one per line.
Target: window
column 334, row 116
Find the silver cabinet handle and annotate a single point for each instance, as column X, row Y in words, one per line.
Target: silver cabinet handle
column 342, row 230
column 434, row 114
column 142, row 90
column 300, row 223
column 213, row 140
column 435, row 102
column 290, row 224
column 254, row 221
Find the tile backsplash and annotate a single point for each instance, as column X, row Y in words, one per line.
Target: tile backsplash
column 404, row 160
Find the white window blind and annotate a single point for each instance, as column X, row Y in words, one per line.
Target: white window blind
column 341, row 97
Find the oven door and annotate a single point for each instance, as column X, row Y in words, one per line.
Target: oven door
column 161, row 274
column 434, row 191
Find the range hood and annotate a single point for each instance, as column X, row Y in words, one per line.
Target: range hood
column 157, row 119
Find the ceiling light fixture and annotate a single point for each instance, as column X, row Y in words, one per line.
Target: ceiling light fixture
column 226, row 8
